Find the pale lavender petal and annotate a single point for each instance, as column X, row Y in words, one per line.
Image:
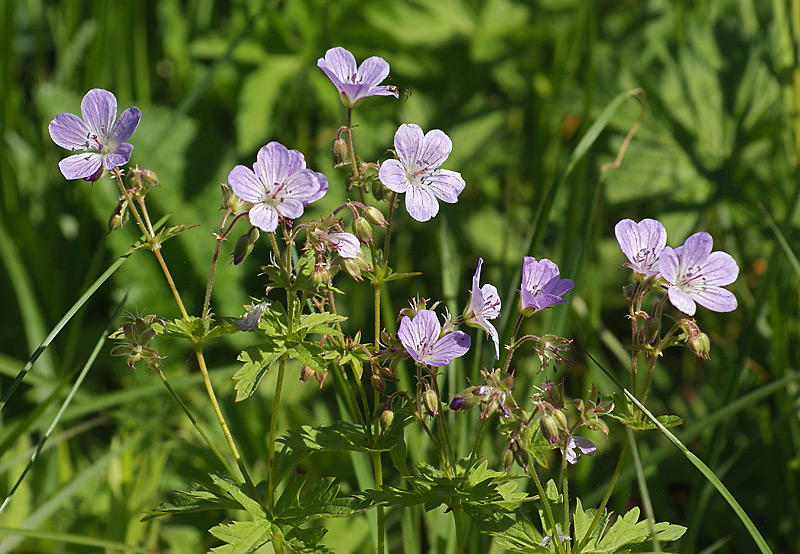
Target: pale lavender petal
column 290, row 208
column 339, row 65
column 669, row 264
column 393, row 175
column 81, row 166
column 69, row 131
column 372, row 71
column 720, row 269
column 696, row 249
column 445, row 184
column 346, row 244
column 408, row 142
column 272, row 165
column 715, row 298
column 536, row 274
column 419, row 335
column 119, row 157
column 577, row 446
column 99, row 109
column 296, row 162
column 125, row 126
column 447, row 348
column 245, row 184
column 436, row 146
column 264, row 217
column 491, row 331
column 408, row 335
column 421, row 204
column 491, row 302
column 303, row 185
column 682, row 300
column 383, row 91
column 641, row 243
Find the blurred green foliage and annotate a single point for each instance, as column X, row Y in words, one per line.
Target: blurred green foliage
column 515, row 84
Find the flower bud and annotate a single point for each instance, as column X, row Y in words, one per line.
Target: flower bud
column 652, row 327
column 362, row 229
column 352, row 267
column 379, row 191
column 375, row 216
column 338, row 151
column 508, row 458
column 431, row 401
column 550, row 428
column 521, row 457
column 320, row 276
column 306, row 373
column 142, row 179
column 244, row 245
column 119, row 216
column 387, row 418
column 701, row 346
column 378, row 383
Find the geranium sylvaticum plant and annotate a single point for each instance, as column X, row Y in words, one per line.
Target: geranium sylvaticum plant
column 389, row 378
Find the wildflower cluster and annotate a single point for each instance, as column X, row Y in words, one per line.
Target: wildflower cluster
column 302, row 324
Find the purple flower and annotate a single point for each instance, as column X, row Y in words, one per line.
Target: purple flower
column 696, row 274
column 99, row 136
column 355, row 84
column 642, row 243
column 484, row 304
column 420, row 337
column 416, row 171
column 577, row 446
column 541, row 286
column 278, row 185
column 345, row 244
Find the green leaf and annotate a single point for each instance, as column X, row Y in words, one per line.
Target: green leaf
column 306, row 541
column 343, row 435
column 628, row 532
column 193, row 329
column 319, row 323
column 196, row 500
column 167, row 233
column 242, row 537
column 234, row 491
column 642, row 425
column 309, row 354
column 257, row 360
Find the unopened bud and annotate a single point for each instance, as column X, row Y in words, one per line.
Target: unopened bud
column 508, row 458
column 375, row 216
column 379, row 191
column 353, row 269
column 143, row 179
column 378, row 383
column 306, row 373
column 349, row 181
column 119, row 216
column 232, row 202
column 521, row 457
column 561, row 420
column 652, row 327
column 550, row 428
column 387, row 418
column 701, row 345
column 244, row 245
column 338, row 151
column 362, row 229
column 320, row 276
column 431, row 401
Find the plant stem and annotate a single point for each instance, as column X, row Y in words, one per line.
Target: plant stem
column 196, row 424
column 510, row 353
column 378, row 469
column 198, row 350
column 273, row 426
column 547, row 509
column 600, row 509
column 474, row 452
column 212, row 272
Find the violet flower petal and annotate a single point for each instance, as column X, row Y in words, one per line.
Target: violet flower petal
column 393, row 176
column 641, row 243
column 81, row 166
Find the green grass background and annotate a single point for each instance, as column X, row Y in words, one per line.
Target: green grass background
column 515, row 84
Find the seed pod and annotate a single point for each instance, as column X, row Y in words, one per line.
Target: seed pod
column 431, row 402
column 387, row 417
